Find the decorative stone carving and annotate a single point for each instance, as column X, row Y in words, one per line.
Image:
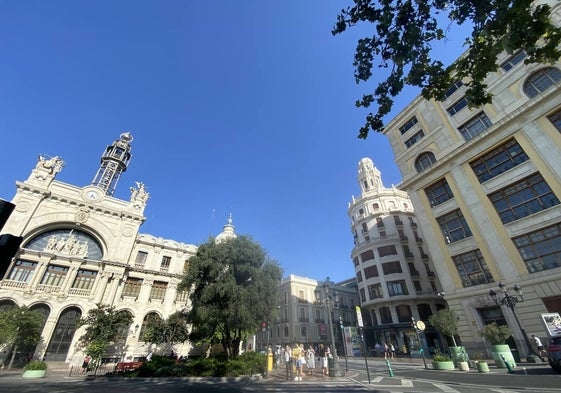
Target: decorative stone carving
column 67, row 246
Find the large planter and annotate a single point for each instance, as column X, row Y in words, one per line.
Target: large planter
column 458, row 354
column 463, row 366
column 501, row 353
column 447, row 365
column 34, row 373
column 482, row 367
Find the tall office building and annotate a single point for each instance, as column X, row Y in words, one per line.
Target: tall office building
column 485, row 183
column 82, row 247
column 395, row 275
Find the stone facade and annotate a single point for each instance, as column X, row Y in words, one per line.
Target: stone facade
column 82, row 247
column 395, row 274
column 485, row 183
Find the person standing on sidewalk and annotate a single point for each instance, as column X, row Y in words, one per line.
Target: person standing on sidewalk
column 539, row 346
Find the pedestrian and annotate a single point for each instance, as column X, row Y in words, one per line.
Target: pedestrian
column 539, row 346
column 86, row 363
column 386, row 350
column 392, row 350
column 300, row 356
column 323, row 353
column 311, row 360
column 288, row 362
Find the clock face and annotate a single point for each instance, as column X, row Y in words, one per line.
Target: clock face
column 92, row 195
column 420, row 325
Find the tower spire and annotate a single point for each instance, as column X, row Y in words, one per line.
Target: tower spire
column 369, row 177
column 114, row 161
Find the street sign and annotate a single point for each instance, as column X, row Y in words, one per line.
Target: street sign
column 359, row 317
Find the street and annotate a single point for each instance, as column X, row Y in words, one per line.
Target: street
column 409, row 376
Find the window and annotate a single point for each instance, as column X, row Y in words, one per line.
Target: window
column 414, row 139
column 403, row 313
column 439, row 192
column 457, row 106
column 453, row 226
column 475, row 126
column 181, row 296
column 424, row 161
column 541, row 80
column 185, row 266
column 371, row 271
column 499, row 160
column 472, row 269
column 412, row 269
column 397, row 288
column 54, row 275
column 540, row 250
column 22, row 271
column 132, row 287
column 367, row 255
column 375, row 291
column 379, row 222
column 362, row 295
column 523, row 198
column 417, row 285
column 356, row 261
column 359, row 276
column 555, row 119
column 452, row 89
column 391, row 267
column 513, row 60
column 410, row 123
column 385, row 315
column 84, row 279
column 166, row 261
column 387, row 250
column 140, row 259
column 158, row 291
column 375, row 206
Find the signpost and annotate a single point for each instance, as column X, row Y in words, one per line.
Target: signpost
column 361, row 328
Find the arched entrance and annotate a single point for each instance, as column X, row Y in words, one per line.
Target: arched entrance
column 63, row 334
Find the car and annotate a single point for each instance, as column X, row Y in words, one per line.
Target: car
column 554, row 353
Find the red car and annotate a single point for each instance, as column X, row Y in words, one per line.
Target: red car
column 554, row 353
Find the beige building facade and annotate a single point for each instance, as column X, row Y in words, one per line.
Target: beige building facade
column 395, row 274
column 82, row 247
column 304, row 313
column 485, row 184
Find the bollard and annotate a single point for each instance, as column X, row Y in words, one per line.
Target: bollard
column 508, row 366
column 390, row 371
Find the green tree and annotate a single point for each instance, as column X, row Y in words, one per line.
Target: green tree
column 104, row 324
column 21, row 328
column 233, row 288
column 167, row 332
column 405, row 31
column 446, row 322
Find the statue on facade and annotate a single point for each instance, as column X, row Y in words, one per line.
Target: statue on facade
column 139, row 193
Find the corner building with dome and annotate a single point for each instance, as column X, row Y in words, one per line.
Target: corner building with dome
column 82, row 247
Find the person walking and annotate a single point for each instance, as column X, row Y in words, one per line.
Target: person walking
column 311, row 360
column 539, row 346
column 323, row 353
column 288, row 362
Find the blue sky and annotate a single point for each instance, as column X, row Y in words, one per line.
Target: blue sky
column 242, row 107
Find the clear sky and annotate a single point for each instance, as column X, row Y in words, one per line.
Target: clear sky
column 242, row 107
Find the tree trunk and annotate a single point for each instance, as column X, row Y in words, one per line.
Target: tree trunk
column 14, row 350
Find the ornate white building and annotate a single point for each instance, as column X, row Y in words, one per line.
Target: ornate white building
column 395, row 274
column 82, row 247
column 486, row 183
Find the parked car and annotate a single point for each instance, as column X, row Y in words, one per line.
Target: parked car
column 554, row 353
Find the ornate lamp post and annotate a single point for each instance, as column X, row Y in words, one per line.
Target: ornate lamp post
column 329, row 300
column 505, row 299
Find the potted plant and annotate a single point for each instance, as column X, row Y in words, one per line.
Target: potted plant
column 496, row 335
column 446, row 322
column 442, row 361
column 35, row 369
column 462, row 359
column 480, row 364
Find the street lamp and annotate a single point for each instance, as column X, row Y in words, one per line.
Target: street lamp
column 511, row 301
column 329, row 300
column 344, row 343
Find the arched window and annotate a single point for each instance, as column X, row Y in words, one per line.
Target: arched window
column 375, row 206
column 148, row 317
column 424, row 161
column 541, row 80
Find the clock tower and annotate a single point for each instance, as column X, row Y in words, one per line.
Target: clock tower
column 114, row 162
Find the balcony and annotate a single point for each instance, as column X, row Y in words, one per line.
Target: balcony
column 48, row 288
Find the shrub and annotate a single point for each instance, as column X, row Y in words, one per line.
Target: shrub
column 495, row 334
column 441, row 357
column 36, row 365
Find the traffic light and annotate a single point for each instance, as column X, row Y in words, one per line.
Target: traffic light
column 263, row 326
